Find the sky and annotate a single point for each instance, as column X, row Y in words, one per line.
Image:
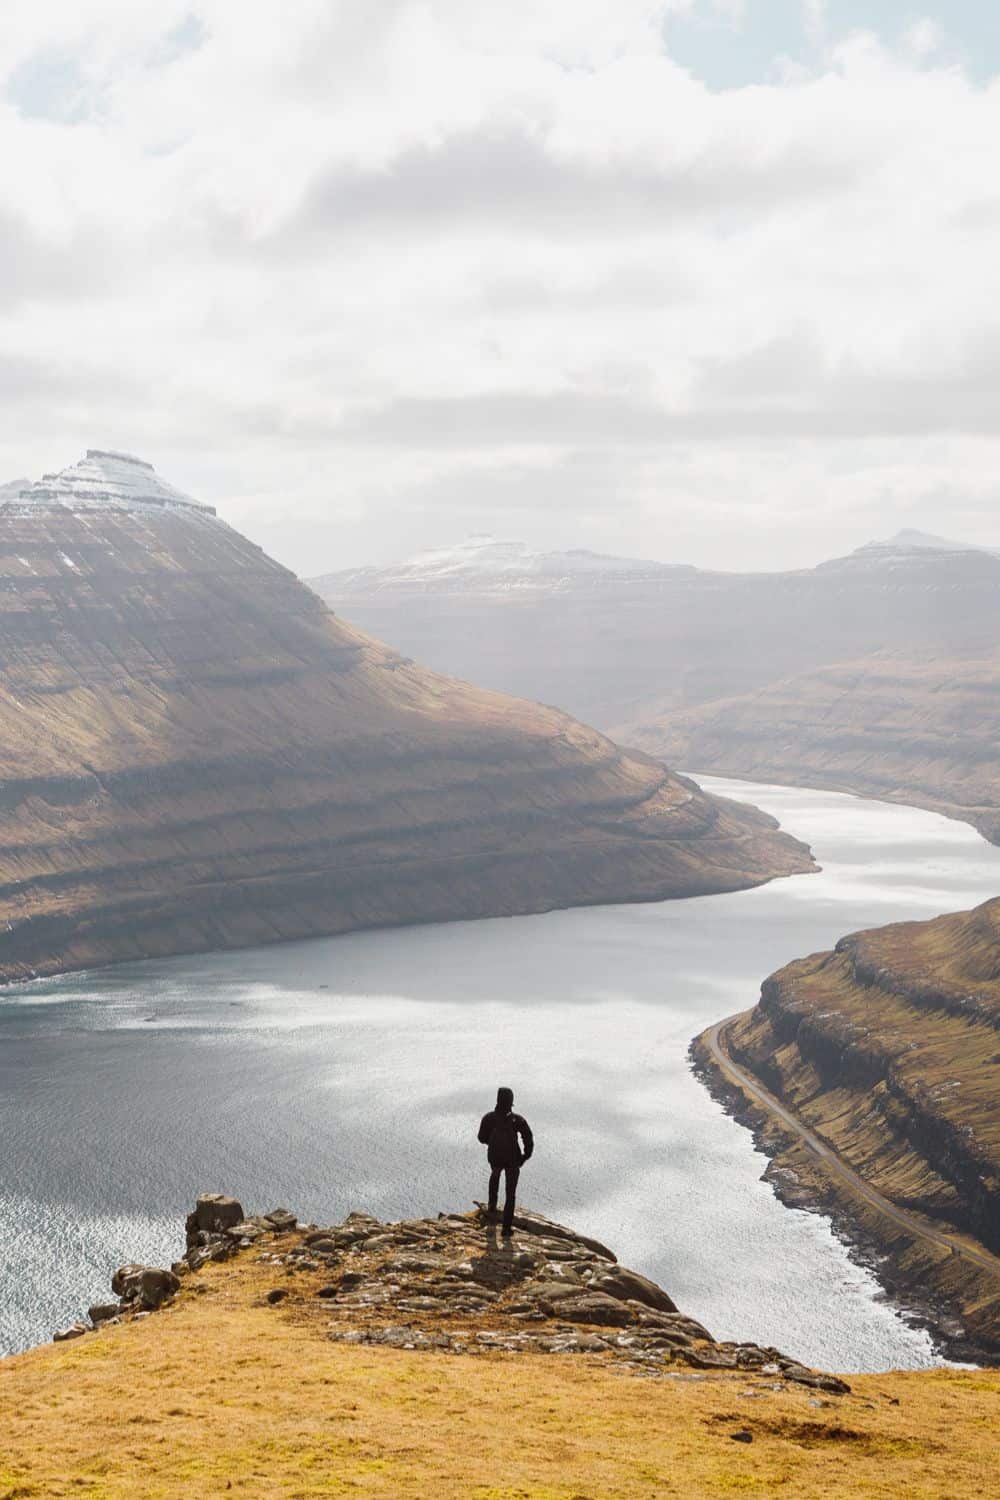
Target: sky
column 712, row 281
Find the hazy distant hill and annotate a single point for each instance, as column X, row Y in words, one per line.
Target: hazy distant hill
column 919, row 730
column 195, row 753
column 874, row 672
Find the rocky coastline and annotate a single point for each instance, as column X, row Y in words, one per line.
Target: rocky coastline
column 887, row 1049
column 905, row 1274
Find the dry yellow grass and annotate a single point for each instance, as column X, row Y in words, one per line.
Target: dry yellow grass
column 220, row 1394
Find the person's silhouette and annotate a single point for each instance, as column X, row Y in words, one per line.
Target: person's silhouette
column 509, row 1144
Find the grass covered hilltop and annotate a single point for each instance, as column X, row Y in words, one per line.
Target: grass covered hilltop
column 427, row 1359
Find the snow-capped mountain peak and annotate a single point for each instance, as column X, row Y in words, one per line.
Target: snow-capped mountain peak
column 483, row 563
column 107, row 478
column 909, row 539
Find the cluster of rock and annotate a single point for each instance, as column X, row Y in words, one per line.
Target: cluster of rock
column 215, row 1229
column 449, row 1283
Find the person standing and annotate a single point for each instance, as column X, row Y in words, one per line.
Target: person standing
column 509, row 1144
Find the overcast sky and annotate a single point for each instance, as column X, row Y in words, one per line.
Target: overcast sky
column 710, row 281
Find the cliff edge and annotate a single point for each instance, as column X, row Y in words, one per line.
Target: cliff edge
column 423, row 1358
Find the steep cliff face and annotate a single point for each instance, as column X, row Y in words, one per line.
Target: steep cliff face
column 889, row 1047
column 194, row 753
column 921, row 731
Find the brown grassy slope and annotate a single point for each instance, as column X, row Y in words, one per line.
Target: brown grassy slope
column 890, row 1048
column 222, row 1394
column 194, row 753
column 915, row 730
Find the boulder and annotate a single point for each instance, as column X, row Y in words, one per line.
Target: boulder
column 280, row 1219
column 594, row 1307
column 156, row 1285
column 125, row 1279
column 552, row 1291
column 149, row 1285
column 247, row 1229
column 321, row 1244
column 101, row 1312
column 629, row 1286
column 214, row 1213
column 530, row 1223
column 74, row 1331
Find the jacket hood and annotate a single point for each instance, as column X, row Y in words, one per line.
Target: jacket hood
column 505, row 1100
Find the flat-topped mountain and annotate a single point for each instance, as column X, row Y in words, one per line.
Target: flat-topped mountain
column 889, row 1048
column 426, row 1358
column 195, row 753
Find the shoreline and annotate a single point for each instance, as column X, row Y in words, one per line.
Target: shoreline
column 953, row 811
column 887, row 1250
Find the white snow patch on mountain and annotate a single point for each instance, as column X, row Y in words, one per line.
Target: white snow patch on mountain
column 106, row 478
column 912, row 540
column 484, row 563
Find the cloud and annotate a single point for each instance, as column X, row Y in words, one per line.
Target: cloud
column 923, row 37
column 335, row 266
column 508, row 180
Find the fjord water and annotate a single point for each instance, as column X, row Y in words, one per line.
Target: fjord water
column 351, row 1072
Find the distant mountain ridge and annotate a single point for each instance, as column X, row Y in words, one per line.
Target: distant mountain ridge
column 195, row 754
column 608, row 637
column 481, row 563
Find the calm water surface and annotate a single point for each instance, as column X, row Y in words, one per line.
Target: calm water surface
column 351, row 1072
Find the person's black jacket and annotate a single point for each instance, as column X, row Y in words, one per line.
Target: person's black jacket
column 499, row 1152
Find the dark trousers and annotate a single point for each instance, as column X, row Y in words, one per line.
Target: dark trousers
column 511, row 1174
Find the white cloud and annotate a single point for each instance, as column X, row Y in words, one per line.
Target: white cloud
column 327, row 264
column 923, row 37
column 814, row 20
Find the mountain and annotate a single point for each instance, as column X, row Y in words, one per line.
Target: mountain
column 616, row 641
column 195, row 754
column 923, row 731
column 889, row 1048
column 483, row 564
column 909, row 539
column 420, row 1358
column 820, row 675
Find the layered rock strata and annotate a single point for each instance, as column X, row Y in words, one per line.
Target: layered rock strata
column 875, row 673
column 195, row 753
column 449, row 1284
column 889, row 1049
column 922, row 731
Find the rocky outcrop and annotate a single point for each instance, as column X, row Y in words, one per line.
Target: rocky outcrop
column 195, row 754
column 889, row 1048
column 917, row 730
column 449, row 1283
